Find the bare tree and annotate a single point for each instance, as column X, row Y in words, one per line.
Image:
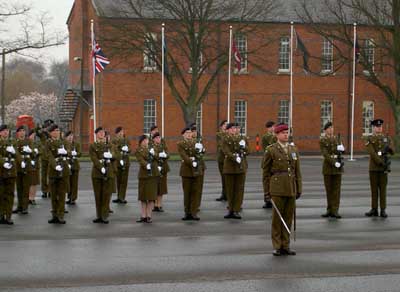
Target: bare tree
column 382, row 19
column 197, row 33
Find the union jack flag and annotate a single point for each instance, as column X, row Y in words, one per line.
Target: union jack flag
column 236, row 56
column 100, row 61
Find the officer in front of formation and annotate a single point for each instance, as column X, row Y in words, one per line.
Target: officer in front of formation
column 9, row 158
column 268, row 139
column 58, row 173
column 235, row 148
column 282, row 180
column 192, row 173
column 221, row 157
column 123, row 148
column 102, row 156
column 379, row 148
column 74, row 151
column 332, row 168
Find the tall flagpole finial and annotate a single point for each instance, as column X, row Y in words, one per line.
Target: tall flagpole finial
column 163, row 24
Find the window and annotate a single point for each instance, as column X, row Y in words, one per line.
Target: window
column 149, row 115
column 327, row 56
column 326, row 113
column 241, row 114
column 284, row 55
column 368, row 116
column 369, row 53
column 241, row 45
column 283, row 113
column 199, row 120
column 149, row 62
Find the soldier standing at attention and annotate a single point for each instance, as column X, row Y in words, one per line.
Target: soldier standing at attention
column 23, row 171
column 163, row 168
column 44, row 136
column 282, row 179
column 9, row 158
column 148, row 178
column 235, row 148
column 267, row 139
column 122, row 147
column 221, row 157
column 74, row 150
column 35, row 167
column 58, row 173
column 101, row 155
column 191, row 172
column 200, row 151
column 379, row 148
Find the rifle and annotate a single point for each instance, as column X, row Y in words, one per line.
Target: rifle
column 150, row 157
column 106, row 161
column 242, row 151
column 198, row 153
column 291, row 143
column 339, row 153
column 385, row 154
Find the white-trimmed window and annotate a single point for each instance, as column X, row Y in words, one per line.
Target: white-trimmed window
column 327, row 56
column 283, row 112
column 149, row 115
column 369, row 53
column 199, row 120
column 326, row 113
column 149, row 62
column 368, row 116
column 241, row 114
column 284, row 54
column 241, row 45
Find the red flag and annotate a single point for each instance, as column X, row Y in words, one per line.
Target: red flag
column 236, row 56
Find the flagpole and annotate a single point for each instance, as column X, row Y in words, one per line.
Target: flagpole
column 162, row 77
column 353, row 94
column 291, row 79
column 229, row 73
column 93, row 80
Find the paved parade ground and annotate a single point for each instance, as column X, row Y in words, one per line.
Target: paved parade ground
column 355, row 253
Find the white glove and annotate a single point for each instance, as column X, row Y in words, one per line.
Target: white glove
column 36, row 151
column 337, row 164
column 192, row 158
column 103, row 170
column 242, row 143
column 10, row 149
column 107, row 155
column 62, row 151
column 23, row 165
column 59, row 168
column 151, row 151
column 26, row 149
column 33, row 163
column 379, row 153
column 198, row 146
column 125, row 148
column 159, row 168
column 340, row 148
column 121, row 162
column 194, row 163
column 238, row 160
column 148, row 166
column 69, row 166
column 7, row 165
column 162, row 154
column 74, row 153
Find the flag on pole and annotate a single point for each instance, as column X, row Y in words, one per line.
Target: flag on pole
column 166, row 69
column 306, row 55
column 100, row 61
column 236, row 56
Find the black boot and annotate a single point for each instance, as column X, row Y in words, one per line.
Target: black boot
column 222, row 198
column 44, row 195
column 383, row 213
column 267, row 205
column 230, row 215
column 373, row 212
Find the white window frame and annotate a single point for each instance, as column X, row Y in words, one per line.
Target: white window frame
column 240, row 115
column 149, row 65
column 199, row 120
column 283, row 111
column 368, row 113
column 149, row 120
column 326, row 113
column 327, row 56
column 369, row 53
column 241, row 45
column 284, row 55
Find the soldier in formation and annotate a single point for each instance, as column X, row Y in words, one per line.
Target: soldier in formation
column 267, row 139
column 35, row 169
column 332, row 168
column 74, row 151
column 163, row 167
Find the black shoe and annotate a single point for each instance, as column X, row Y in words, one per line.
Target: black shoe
column 123, row 202
column 105, row 221
column 156, row 209
column 53, row 220
column 110, row 211
column 117, row 201
column 141, row 220
column 229, row 215
column 72, row 203
column 267, row 205
column 30, row 202
column 373, row 212
column 24, row 212
column 236, row 215
column 326, row 215
column 148, row 220
column 336, row 215
column 2, row 221
column 16, row 211
column 44, row 195
column 66, row 212
column 277, row 252
column 187, row 217
column 68, row 202
column 221, row 199
column 384, row 214
column 160, row 209
column 195, row 218
column 288, row 251
column 8, row 222
column 61, row 221
column 97, row 220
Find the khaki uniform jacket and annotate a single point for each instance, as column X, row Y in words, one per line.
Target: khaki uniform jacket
column 55, row 159
column 188, row 153
column 121, row 155
column 24, row 157
column 5, row 156
column 44, row 137
column 36, row 154
column 143, row 158
column 73, row 160
column 328, row 146
column 268, row 139
column 96, row 153
column 375, row 145
column 281, row 171
column 220, row 138
column 232, row 150
column 163, row 162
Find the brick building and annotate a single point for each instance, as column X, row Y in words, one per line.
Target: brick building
column 130, row 97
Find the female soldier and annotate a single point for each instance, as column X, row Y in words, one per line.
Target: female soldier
column 34, row 170
column 163, row 167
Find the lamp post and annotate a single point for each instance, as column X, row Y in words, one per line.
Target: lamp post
column 79, row 59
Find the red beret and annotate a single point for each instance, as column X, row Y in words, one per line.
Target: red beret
column 281, row 127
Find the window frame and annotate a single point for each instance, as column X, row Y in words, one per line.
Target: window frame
column 366, row 121
column 238, row 119
column 146, row 118
column 284, row 54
